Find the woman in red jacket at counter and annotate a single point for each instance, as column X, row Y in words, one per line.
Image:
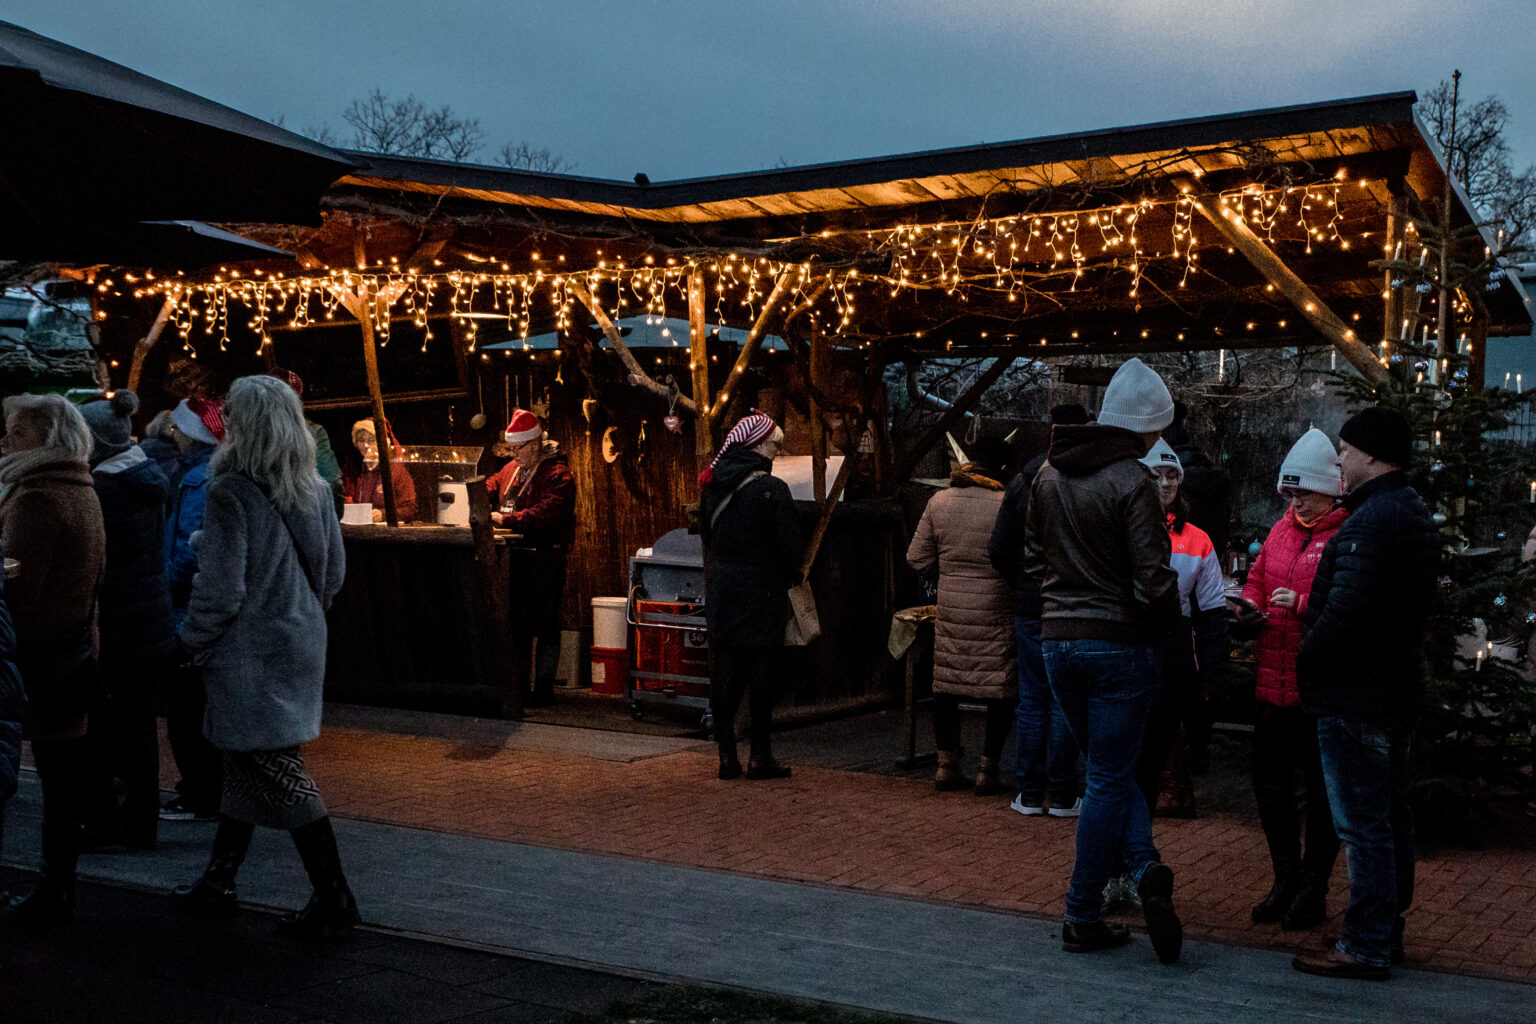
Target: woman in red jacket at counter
column 1285, row 737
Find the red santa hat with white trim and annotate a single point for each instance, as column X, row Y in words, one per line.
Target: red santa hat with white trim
column 525, row 426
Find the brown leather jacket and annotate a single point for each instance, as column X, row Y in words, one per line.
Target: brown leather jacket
column 1096, row 539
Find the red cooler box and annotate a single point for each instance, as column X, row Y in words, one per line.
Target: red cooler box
column 671, row 649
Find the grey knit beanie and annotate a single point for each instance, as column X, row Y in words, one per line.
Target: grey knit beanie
column 111, row 423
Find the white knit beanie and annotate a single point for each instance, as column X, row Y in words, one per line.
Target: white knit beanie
column 1163, row 457
column 1136, row 399
column 1312, row 465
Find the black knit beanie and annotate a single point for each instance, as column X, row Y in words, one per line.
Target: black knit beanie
column 1382, row 433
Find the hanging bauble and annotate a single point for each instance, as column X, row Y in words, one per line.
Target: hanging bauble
column 1397, row 282
column 1422, row 288
column 1255, row 548
column 1395, row 359
column 1437, row 467
column 1438, row 518
column 1471, row 483
column 1421, row 366
column 1460, row 376
column 1500, row 601
column 1501, row 535
column 1530, row 618
column 673, row 423
column 1442, row 400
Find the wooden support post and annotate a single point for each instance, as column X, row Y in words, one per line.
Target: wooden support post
column 1241, row 237
column 141, row 350
column 963, row 404
column 1396, row 302
column 637, row 376
column 749, row 347
column 491, row 585
column 698, row 362
column 828, row 507
column 818, row 380
column 363, row 308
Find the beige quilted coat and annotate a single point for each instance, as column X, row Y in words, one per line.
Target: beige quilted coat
column 973, row 648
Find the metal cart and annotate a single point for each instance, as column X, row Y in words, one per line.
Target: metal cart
column 669, row 660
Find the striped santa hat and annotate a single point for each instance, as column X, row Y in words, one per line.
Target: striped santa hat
column 749, row 431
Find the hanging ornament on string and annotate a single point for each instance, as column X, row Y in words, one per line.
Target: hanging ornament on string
column 671, row 420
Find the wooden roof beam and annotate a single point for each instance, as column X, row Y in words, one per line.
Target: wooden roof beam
column 1274, row 269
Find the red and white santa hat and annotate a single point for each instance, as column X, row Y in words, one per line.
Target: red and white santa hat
column 525, row 426
column 201, row 419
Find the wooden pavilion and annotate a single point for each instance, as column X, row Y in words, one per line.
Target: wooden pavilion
column 1259, row 229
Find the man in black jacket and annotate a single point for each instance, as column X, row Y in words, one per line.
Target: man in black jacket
column 1361, row 672
column 1096, row 540
column 1047, row 755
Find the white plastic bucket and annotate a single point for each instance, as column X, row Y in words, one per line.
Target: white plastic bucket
column 609, row 628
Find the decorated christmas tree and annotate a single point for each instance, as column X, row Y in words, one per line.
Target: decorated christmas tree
column 1474, row 749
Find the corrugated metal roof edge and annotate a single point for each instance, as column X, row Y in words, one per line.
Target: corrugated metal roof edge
column 1381, row 109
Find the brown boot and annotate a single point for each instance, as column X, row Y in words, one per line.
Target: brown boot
column 948, row 777
column 988, row 781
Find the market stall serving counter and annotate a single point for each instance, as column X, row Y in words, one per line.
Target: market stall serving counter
column 420, row 620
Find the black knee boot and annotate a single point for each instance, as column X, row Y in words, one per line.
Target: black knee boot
column 331, row 912
column 214, row 893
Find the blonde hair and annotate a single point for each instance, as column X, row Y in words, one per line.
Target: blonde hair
column 267, row 439
column 56, row 419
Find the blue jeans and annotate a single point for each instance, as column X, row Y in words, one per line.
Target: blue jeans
column 1047, row 754
column 1365, row 767
column 1107, row 690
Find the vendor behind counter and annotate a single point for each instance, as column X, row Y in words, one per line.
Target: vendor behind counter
column 535, row 496
column 368, row 485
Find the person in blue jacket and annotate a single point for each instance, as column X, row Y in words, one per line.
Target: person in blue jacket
column 197, row 428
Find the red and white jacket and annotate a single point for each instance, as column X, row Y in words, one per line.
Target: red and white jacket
column 1288, row 559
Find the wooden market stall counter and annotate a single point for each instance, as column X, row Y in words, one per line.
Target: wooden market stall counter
column 420, row 621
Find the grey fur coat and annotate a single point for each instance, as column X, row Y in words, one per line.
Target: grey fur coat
column 255, row 624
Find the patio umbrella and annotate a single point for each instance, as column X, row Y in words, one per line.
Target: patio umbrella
column 89, row 142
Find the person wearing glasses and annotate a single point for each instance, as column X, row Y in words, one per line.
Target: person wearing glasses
column 1285, row 736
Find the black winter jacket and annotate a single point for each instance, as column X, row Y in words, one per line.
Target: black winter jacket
column 136, row 621
column 1006, row 548
column 1362, row 656
column 1096, row 538
column 751, row 552
column 12, row 701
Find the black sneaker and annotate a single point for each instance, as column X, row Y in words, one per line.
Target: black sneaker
column 1090, row 938
column 179, row 810
column 1163, row 927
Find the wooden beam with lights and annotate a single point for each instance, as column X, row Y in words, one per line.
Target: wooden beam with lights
column 1263, row 258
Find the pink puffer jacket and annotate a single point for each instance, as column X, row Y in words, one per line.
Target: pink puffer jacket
column 1288, row 559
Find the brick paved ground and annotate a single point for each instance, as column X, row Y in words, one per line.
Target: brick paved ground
column 1475, row 911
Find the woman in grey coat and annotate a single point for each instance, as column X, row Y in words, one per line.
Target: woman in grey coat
column 269, row 562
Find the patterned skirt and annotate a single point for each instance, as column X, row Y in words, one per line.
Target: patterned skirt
column 270, row 788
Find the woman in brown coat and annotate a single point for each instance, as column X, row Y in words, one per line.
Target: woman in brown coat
column 973, row 647
column 50, row 522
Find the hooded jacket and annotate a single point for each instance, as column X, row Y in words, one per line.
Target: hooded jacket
column 1362, row 657
column 1289, row 558
column 137, row 623
column 752, row 550
column 973, row 646
column 1096, row 539
column 256, row 619
column 1006, row 546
